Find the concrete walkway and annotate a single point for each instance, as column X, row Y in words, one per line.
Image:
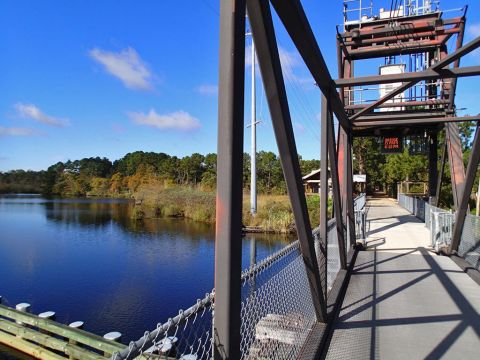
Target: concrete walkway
column 403, row 301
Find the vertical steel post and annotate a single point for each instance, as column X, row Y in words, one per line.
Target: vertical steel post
column 455, row 159
column 461, row 213
column 322, row 245
column 268, row 58
column 350, row 224
column 440, row 175
column 337, row 204
column 432, row 167
column 342, row 161
column 228, row 238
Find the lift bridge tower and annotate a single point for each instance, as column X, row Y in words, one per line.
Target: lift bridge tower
column 413, row 36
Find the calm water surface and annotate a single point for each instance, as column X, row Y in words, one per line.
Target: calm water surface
column 87, row 260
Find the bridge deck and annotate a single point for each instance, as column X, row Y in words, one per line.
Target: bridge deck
column 403, row 301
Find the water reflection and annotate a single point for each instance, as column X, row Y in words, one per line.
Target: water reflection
column 88, row 260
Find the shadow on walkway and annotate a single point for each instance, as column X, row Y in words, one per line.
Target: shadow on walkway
column 468, row 317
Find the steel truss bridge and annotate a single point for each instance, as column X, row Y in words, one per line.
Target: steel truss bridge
column 363, row 283
column 294, row 304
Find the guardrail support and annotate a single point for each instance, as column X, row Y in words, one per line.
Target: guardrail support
column 322, row 246
column 228, row 238
column 432, row 167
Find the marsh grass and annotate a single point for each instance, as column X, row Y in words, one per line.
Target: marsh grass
column 274, row 213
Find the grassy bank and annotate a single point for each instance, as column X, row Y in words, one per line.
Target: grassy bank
column 274, row 213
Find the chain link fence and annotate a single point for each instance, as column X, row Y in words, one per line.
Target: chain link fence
column 277, row 315
column 277, row 312
column 469, row 247
column 187, row 336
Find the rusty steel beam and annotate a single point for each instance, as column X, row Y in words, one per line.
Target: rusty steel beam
column 349, row 177
column 228, row 234
column 411, row 47
column 455, row 159
column 428, row 74
column 436, row 102
column 337, row 204
column 457, row 54
column 293, row 17
column 342, row 160
column 440, row 176
column 462, row 208
column 376, row 28
column 268, row 58
column 400, row 115
column 322, row 244
column 452, row 132
column 395, row 38
column 414, row 121
column 472, row 45
column 432, row 166
column 456, row 64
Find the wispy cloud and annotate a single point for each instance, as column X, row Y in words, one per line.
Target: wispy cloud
column 125, row 65
column 474, row 30
column 178, row 120
column 30, row 111
column 290, row 62
column 299, row 127
column 14, row 131
column 207, row 89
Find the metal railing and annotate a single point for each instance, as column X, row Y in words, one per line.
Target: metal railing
column 277, row 312
column 469, row 247
column 440, row 222
column 360, row 216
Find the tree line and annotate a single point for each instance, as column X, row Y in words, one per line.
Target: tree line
column 98, row 176
column 122, row 178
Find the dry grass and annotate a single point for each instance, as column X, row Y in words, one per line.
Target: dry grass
column 274, row 213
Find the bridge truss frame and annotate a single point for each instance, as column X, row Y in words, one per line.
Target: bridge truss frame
column 427, row 31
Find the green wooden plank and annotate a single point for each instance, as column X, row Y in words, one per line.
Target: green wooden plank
column 78, row 335
column 28, row 348
column 48, row 341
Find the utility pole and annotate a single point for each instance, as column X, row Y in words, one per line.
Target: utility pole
column 253, row 146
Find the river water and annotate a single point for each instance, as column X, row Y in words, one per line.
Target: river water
column 87, row 260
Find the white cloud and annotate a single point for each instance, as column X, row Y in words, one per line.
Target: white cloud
column 178, row 120
column 207, row 89
column 125, row 65
column 474, row 30
column 12, row 131
column 30, row 111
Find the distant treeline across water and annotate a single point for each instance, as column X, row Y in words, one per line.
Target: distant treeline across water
column 97, row 176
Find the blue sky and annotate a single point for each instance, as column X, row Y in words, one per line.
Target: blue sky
column 103, row 78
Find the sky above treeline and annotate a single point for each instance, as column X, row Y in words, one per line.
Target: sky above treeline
column 104, row 78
